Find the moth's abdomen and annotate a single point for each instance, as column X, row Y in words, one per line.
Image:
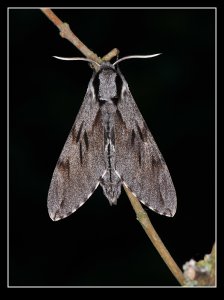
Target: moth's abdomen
column 110, row 181
column 111, row 188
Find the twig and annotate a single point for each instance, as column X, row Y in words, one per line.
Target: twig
column 143, row 219
column 66, row 33
column 142, row 216
column 114, row 52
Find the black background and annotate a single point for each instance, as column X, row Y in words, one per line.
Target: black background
column 99, row 244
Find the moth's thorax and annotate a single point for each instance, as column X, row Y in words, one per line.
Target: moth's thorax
column 107, row 84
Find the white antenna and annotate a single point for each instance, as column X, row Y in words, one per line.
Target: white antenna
column 116, row 62
column 77, row 58
column 135, row 56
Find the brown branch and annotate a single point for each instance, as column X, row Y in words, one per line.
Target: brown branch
column 142, row 216
column 66, row 33
column 143, row 219
column 114, row 52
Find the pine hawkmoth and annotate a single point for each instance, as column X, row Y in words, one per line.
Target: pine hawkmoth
column 110, row 145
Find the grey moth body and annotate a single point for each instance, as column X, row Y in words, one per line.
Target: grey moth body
column 110, row 145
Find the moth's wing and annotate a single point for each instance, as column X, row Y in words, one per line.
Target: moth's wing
column 81, row 163
column 138, row 160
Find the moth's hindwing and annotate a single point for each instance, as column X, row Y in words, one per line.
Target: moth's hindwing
column 138, row 160
column 81, row 163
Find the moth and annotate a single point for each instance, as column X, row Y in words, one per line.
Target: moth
column 110, row 145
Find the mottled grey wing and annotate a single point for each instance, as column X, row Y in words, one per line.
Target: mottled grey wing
column 81, row 163
column 138, row 159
